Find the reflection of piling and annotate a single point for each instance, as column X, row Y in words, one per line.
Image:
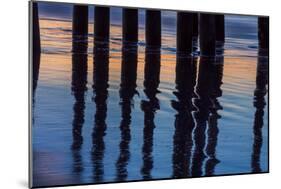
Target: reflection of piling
column 220, row 28
column 80, row 28
column 259, row 103
column 149, row 107
column 101, row 24
column 213, row 129
column 185, row 79
column 184, row 124
column 184, row 32
column 79, row 82
column 128, row 72
column 127, row 92
column 153, row 28
column 101, row 68
column 100, row 79
column 130, row 25
column 182, row 144
column 263, row 32
column 208, row 89
column 207, row 34
column 124, row 156
column 35, row 70
column 212, row 133
column 152, row 72
column 202, row 103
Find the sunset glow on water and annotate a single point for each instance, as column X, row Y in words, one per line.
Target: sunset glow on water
column 131, row 152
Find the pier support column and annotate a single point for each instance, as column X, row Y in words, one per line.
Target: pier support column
column 80, row 29
column 195, row 25
column 80, row 20
column 36, row 46
column 184, row 32
column 101, row 24
column 207, row 34
column 130, row 25
column 153, row 28
column 263, row 32
column 195, row 29
column 35, row 29
column 220, row 29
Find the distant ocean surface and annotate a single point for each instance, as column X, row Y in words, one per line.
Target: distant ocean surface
column 236, row 133
column 240, row 31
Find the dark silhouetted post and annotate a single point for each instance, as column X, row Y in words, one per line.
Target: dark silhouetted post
column 195, row 29
column 130, row 25
column 207, row 34
column 263, row 32
column 35, row 29
column 80, row 20
column 153, row 28
column 101, row 24
column 195, row 25
column 220, row 28
column 80, row 29
column 36, row 48
column 184, row 32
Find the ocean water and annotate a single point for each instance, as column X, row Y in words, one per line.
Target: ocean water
column 181, row 117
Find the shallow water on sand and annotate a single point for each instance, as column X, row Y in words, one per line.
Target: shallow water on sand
column 180, row 117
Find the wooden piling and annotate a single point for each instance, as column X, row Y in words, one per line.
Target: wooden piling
column 153, row 28
column 184, row 32
column 101, row 24
column 263, row 32
column 220, row 28
column 130, row 25
column 80, row 20
column 195, row 25
column 207, row 34
column 80, row 29
column 36, row 48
